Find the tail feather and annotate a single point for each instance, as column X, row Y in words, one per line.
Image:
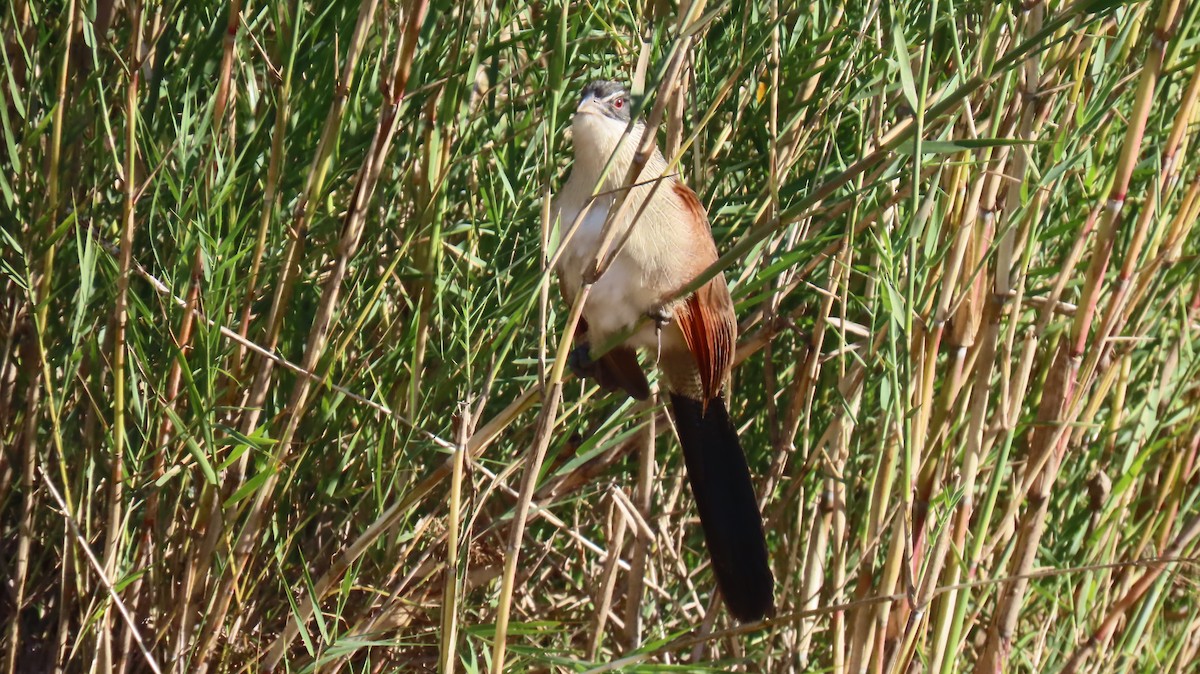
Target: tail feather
column 720, row 481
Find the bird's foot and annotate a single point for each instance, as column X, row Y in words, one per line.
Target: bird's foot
column 581, row 363
column 590, row 275
column 661, row 317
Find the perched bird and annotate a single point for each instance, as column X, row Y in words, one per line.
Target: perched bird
column 667, row 244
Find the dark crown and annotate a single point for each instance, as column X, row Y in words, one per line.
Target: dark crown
column 613, row 96
column 603, row 89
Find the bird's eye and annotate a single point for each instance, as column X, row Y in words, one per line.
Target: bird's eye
column 619, row 103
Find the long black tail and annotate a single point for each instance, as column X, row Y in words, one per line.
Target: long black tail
column 720, row 480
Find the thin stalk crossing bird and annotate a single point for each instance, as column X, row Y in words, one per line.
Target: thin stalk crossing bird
column 664, row 242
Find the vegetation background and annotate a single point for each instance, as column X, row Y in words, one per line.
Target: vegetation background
column 278, row 385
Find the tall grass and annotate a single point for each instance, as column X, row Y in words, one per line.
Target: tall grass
column 279, row 387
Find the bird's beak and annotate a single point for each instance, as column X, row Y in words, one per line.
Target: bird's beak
column 589, row 105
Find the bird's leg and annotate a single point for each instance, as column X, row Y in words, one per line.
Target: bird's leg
column 661, row 315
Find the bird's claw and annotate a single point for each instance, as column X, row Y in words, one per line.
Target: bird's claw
column 581, row 363
column 661, row 317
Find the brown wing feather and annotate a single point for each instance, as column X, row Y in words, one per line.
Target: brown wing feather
column 709, row 329
column 707, row 318
column 619, row 368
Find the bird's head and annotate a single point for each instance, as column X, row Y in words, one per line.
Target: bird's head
column 601, row 118
column 606, row 99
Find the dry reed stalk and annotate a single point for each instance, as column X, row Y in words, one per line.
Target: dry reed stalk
column 830, row 501
column 450, row 596
column 152, row 529
column 618, row 523
column 1047, row 446
column 302, row 215
column 537, row 454
column 33, row 395
column 347, row 244
column 857, row 635
column 348, row 241
column 951, row 613
column 643, row 498
column 103, row 659
column 25, row 528
column 283, row 89
column 678, row 97
column 212, row 520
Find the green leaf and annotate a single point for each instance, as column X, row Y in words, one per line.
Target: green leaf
column 900, row 48
column 250, row 487
column 954, row 146
column 193, row 447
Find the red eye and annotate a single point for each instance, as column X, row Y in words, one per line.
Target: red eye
column 619, row 103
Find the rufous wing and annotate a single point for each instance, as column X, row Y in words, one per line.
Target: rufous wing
column 706, row 319
column 709, row 329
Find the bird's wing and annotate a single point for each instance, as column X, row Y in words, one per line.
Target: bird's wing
column 709, row 329
column 706, row 319
column 619, row 368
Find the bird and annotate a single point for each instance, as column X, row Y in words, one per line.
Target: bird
column 665, row 243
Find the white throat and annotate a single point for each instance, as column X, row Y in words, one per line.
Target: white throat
column 595, row 137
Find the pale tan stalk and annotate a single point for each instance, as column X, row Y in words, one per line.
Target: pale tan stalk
column 1115, row 314
column 608, row 578
column 643, row 498
column 211, row 523
column 813, row 570
column 270, row 198
column 1047, row 445
column 318, row 335
column 792, row 141
column 862, row 637
column 1100, row 638
column 533, row 466
column 34, row 392
column 678, row 102
column 951, row 614
column 302, row 215
column 152, row 529
column 104, row 654
column 449, row 634
column 25, row 526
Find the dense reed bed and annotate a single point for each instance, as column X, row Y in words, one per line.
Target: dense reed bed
column 281, row 384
